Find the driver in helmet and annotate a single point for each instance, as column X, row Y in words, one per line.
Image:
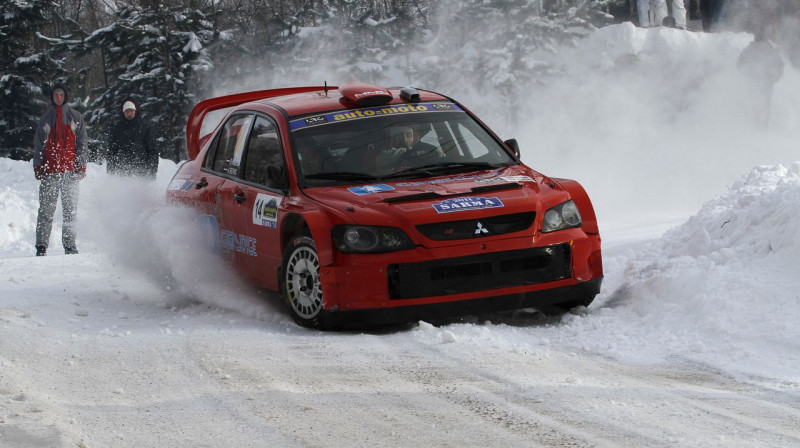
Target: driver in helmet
column 405, row 147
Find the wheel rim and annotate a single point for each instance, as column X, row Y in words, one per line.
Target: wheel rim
column 302, row 283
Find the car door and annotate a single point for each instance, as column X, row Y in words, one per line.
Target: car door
column 230, row 196
column 265, row 198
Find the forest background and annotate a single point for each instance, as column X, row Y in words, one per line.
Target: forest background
column 170, row 54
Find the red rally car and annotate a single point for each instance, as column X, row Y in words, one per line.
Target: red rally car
column 365, row 205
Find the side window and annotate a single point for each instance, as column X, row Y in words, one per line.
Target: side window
column 230, row 144
column 263, row 149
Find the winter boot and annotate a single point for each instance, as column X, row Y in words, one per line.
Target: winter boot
column 71, row 250
column 41, row 251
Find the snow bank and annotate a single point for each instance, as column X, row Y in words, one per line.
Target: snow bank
column 720, row 290
column 19, row 199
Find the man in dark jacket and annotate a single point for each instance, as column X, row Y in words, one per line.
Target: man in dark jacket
column 59, row 162
column 132, row 149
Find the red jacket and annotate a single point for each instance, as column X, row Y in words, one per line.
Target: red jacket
column 60, row 145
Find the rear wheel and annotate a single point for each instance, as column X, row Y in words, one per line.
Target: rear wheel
column 300, row 281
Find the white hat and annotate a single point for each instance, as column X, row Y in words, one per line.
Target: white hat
column 128, row 105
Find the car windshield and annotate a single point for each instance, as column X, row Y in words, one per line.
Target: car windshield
column 392, row 142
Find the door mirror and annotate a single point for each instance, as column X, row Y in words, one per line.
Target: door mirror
column 276, row 177
column 513, row 146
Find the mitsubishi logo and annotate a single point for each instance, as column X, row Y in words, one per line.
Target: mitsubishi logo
column 480, row 229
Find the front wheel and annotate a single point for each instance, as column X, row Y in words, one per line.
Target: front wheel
column 300, row 281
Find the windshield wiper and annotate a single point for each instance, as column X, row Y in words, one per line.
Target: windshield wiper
column 343, row 175
column 435, row 169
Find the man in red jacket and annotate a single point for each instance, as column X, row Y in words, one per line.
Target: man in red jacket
column 59, row 162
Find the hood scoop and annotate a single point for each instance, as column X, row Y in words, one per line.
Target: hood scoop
column 428, row 195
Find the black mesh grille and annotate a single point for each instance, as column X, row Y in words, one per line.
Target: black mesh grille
column 480, row 272
column 477, row 228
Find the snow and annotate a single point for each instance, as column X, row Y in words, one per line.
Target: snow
column 194, row 45
column 146, row 339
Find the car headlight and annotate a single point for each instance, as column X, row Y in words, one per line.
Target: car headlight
column 370, row 239
column 562, row 216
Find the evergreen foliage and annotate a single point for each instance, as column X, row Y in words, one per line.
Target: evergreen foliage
column 169, row 54
column 28, row 68
column 367, row 37
column 156, row 55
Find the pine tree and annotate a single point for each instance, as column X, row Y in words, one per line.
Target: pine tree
column 340, row 41
column 28, row 69
column 155, row 54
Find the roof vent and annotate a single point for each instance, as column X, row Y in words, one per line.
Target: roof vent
column 410, row 94
column 365, row 94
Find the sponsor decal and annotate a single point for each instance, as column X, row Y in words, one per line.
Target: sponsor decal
column 445, row 180
column 374, row 92
column 265, row 210
column 370, row 189
column 231, row 241
column 370, row 112
column 313, row 121
column 507, row 179
column 465, row 204
column 180, row 184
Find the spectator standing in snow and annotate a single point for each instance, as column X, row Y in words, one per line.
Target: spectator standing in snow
column 59, row 162
column 651, row 12
column 657, row 13
column 677, row 15
column 132, row 149
column 762, row 65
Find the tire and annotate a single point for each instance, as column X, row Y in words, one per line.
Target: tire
column 300, row 281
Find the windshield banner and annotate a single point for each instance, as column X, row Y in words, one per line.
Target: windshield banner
column 370, row 112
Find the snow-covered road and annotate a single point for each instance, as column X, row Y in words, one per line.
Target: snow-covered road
column 94, row 354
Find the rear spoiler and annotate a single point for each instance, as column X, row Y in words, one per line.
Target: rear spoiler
column 199, row 112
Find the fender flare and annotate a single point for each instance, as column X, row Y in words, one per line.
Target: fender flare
column 581, row 199
column 319, row 222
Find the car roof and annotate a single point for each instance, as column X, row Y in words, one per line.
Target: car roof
column 298, row 101
column 321, row 101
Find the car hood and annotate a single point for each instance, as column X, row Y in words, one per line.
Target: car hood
column 464, row 196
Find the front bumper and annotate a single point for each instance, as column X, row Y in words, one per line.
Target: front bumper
column 481, row 272
column 437, row 312
column 483, row 276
